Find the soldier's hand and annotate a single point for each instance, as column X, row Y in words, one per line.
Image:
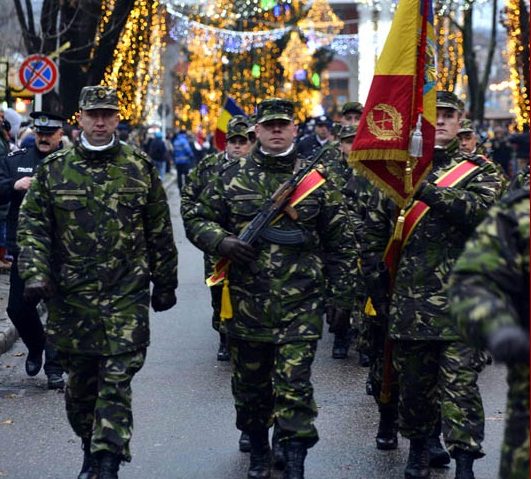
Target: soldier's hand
column 237, row 250
column 37, row 290
column 509, row 344
column 23, row 184
column 162, row 300
column 340, row 321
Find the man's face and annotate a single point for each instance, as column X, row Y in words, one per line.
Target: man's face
column 48, row 142
column 238, row 146
column 467, row 141
column 276, row 136
column 346, row 145
column 447, row 125
column 351, row 118
column 322, row 131
column 98, row 125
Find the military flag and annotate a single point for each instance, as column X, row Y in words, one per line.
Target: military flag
column 394, row 143
column 230, row 109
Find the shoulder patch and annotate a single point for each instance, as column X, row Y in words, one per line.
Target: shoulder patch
column 515, row 195
column 16, row 153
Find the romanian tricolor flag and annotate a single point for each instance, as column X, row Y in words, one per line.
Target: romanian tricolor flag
column 394, row 143
column 230, row 109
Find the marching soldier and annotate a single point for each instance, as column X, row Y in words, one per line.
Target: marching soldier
column 95, row 230
column 489, row 297
column 16, row 176
column 238, row 145
column 351, row 113
column 435, row 369
column 276, row 286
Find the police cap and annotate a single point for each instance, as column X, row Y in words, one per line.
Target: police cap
column 45, row 122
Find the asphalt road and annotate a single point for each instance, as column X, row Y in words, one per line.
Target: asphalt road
column 184, row 414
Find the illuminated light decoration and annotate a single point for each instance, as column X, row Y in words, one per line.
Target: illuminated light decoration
column 321, row 24
column 450, row 55
column 300, row 75
column 515, row 52
column 316, row 79
column 255, row 71
column 296, row 56
column 133, row 69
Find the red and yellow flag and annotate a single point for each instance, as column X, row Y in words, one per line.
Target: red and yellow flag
column 394, row 143
column 230, row 109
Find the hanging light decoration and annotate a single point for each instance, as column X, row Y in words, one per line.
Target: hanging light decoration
column 295, row 57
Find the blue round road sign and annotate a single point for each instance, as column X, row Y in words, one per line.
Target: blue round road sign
column 38, row 74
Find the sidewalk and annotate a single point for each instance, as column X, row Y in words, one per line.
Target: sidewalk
column 8, row 333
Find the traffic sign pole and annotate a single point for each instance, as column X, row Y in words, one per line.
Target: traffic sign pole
column 37, row 103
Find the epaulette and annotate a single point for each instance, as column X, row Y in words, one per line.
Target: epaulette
column 515, row 195
column 56, row 155
column 11, row 154
column 229, row 164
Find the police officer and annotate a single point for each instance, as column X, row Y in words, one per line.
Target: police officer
column 310, row 145
column 94, row 231
column 276, row 286
column 16, row 175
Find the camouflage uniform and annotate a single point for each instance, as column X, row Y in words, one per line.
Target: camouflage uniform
column 432, row 364
column 278, row 309
column 490, row 290
column 96, row 225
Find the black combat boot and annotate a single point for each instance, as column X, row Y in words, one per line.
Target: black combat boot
column 386, row 438
column 90, row 467
column 279, row 452
column 109, row 465
column 260, row 466
column 464, row 461
column 295, row 455
column 368, row 386
column 418, row 461
column 223, row 351
column 439, row 457
column 244, row 442
column 341, row 345
column 55, row 381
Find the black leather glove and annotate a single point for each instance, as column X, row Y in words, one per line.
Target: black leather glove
column 509, row 344
column 162, row 300
column 338, row 319
column 34, row 291
column 237, row 250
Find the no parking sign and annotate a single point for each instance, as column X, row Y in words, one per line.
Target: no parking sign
column 38, row 74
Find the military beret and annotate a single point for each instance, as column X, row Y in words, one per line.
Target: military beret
column 275, row 109
column 354, row 106
column 447, row 99
column 46, row 122
column 465, row 126
column 95, row 97
column 348, row 131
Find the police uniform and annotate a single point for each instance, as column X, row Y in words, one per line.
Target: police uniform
column 310, row 145
column 96, row 226
column 23, row 314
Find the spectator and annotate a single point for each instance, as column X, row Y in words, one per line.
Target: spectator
column 182, row 157
column 501, row 151
column 157, row 152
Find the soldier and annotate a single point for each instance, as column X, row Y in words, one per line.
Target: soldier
column 435, row 369
column 16, row 175
column 351, row 113
column 94, row 231
column 276, row 287
column 468, row 139
column 310, row 145
column 238, row 145
column 489, row 297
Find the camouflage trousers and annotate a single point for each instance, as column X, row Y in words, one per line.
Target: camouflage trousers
column 440, row 377
column 515, row 448
column 98, row 398
column 271, row 384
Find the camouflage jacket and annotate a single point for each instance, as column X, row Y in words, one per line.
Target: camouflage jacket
column 284, row 300
column 490, row 281
column 97, row 225
column 418, row 307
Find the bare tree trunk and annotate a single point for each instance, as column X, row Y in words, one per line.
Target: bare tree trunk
column 524, row 41
column 470, row 62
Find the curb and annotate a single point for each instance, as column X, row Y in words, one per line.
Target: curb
column 8, row 332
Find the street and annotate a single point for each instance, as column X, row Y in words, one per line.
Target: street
column 184, row 413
